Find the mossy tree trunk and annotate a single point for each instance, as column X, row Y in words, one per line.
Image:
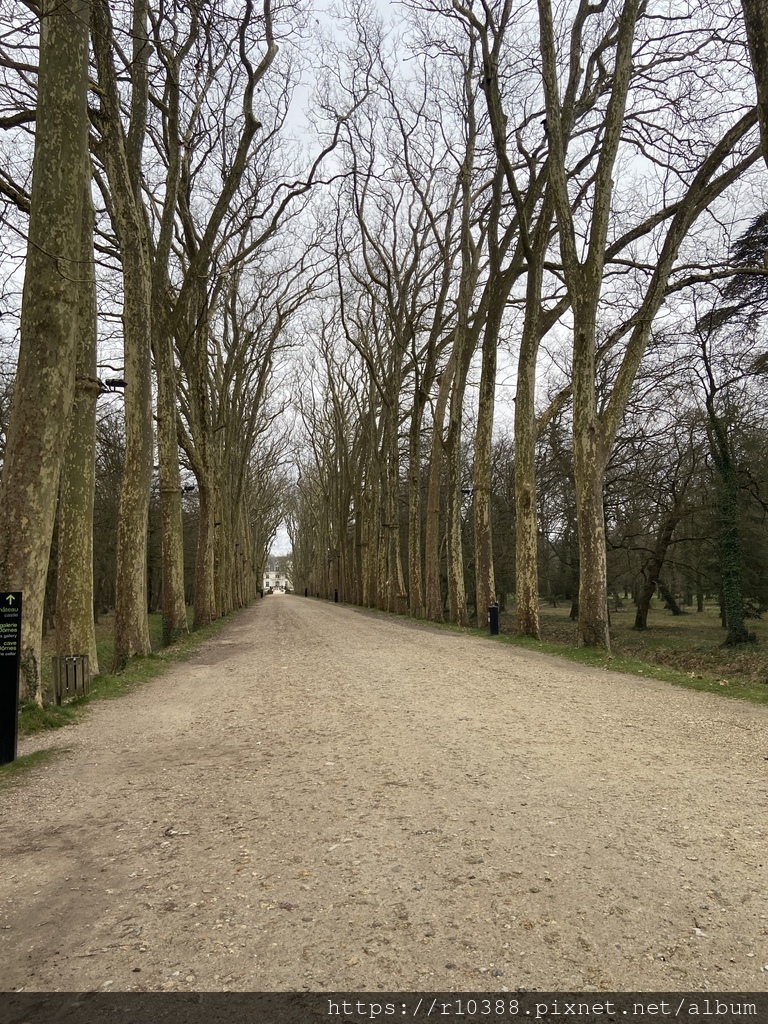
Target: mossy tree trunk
column 724, row 458
column 174, row 605
column 45, row 377
column 121, row 152
column 75, row 632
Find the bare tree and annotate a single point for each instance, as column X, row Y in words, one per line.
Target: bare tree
column 594, row 432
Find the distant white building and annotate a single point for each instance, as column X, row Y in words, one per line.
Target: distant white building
column 276, row 579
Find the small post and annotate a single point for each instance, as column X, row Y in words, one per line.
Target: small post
column 493, row 620
column 306, row 591
column 10, row 663
column 335, row 597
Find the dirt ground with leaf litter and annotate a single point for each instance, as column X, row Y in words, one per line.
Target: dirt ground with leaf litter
column 327, row 799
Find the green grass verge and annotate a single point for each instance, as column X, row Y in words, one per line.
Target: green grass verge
column 745, row 689
column 693, row 643
column 107, row 686
column 10, row 772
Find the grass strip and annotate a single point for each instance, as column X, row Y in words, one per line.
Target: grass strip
column 10, row 772
column 742, row 689
column 138, row 671
column 756, row 693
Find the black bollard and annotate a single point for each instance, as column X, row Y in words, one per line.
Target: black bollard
column 306, row 591
column 335, row 597
column 493, row 620
column 261, row 592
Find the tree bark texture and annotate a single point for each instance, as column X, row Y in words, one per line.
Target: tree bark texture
column 485, row 581
column 432, row 540
column 589, row 462
column 205, row 594
column 756, row 22
column 122, row 157
column 526, row 433
column 174, row 607
column 398, row 599
column 730, row 554
column 75, row 632
column 45, row 376
column 415, row 573
column 652, row 569
column 526, row 529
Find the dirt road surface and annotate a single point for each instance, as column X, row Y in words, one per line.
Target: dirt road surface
column 325, row 799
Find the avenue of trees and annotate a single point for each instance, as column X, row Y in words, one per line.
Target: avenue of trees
column 575, row 199
column 159, row 211
column 487, row 322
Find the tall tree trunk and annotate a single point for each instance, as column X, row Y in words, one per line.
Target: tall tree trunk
column 463, row 348
column 432, row 539
column 398, row 590
column 699, row 592
column 174, row 607
column 526, row 434
column 499, row 285
column 485, row 581
column 370, row 545
column 756, row 22
column 122, row 161
column 593, row 575
column 463, row 351
column 205, row 596
column 222, row 552
column 652, row 570
column 384, row 587
column 75, row 632
column 45, row 376
column 730, row 555
column 526, row 528
column 457, row 598
column 731, row 568
column 589, row 468
column 584, row 280
column 131, row 626
column 171, row 521
column 415, row 575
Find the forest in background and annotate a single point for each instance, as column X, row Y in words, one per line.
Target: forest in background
column 484, row 323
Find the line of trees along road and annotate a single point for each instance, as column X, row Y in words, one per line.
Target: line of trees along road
column 172, row 118
column 572, row 197
column 565, row 188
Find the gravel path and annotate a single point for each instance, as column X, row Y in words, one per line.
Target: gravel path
column 327, row 799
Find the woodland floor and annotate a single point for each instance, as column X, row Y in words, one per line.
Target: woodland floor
column 326, row 799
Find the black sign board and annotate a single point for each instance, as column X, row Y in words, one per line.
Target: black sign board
column 10, row 659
